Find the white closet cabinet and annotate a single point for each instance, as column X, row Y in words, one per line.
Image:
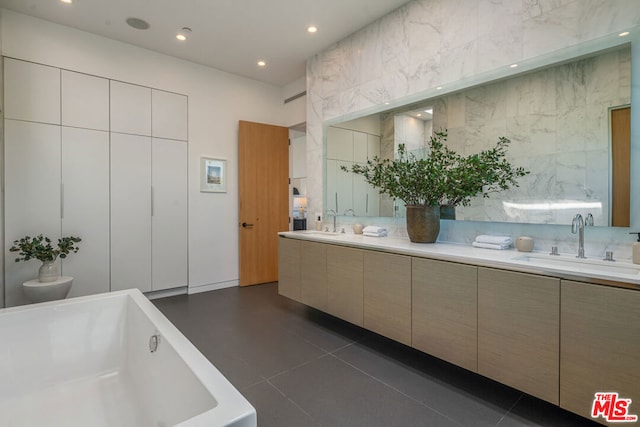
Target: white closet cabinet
column 85, row 208
column 168, row 115
column 169, row 220
column 32, row 195
column 130, row 212
column 31, row 92
column 130, row 108
column 85, row 101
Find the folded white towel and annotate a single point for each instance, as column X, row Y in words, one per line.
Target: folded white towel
column 490, row 246
column 374, row 229
column 494, row 240
column 374, row 234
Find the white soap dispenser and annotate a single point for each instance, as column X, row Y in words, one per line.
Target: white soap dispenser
column 318, row 223
column 635, row 251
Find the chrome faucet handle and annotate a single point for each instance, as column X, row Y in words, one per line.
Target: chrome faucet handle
column 576, row 223
column 588, row 220
column 554, row 250
column 608, row 256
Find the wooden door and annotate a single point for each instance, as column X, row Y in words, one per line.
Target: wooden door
column 621, row 166
column 263, row 180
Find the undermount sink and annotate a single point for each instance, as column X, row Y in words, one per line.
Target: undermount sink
column 321, row 233
column 580, row 264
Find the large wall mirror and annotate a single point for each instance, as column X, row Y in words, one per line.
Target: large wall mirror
column 568, row 122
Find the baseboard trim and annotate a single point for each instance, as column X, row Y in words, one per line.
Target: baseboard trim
column 166, row 293
column 212, row 287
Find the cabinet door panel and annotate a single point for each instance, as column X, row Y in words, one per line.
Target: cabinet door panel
column 289, row 268
column 360, row 147
column 85, row 101
column 169, row 221
column 600, row 344
column 387, row 295
column 32, row 196
column 313, row 275
column 169, row 115
column 130, row 212
column 344, row 185
column 519, row 330
column 445, row 311
column 130, row 108
column 85, row 178
column 339, row 144
column 332, row 184
column 345, row 283
column 31, row 92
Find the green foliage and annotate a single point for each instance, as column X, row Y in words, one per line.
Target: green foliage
column 40, row 248
column 444, row 177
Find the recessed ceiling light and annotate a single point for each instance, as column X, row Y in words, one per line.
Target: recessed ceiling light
column 439, row 88
column 262, row 64
column 429, row 111
column 66, row 1
column 513, row 65
column 182, row 34
column 138, row 24
column 626, row 33
column 312, row 29
column 419, row 115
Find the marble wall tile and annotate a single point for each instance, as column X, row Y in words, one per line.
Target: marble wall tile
column 395, row 42
column 551, row 30
column 599, row 17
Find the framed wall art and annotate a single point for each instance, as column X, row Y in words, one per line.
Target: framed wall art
column 213, row 177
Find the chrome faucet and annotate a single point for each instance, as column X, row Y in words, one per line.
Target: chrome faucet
column 335, row 215
column 577, row 226
column 349, row 210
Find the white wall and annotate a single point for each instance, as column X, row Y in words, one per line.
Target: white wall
column 407, row 54
column 217, row 101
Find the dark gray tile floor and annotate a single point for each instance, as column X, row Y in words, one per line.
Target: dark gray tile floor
column 299, row 367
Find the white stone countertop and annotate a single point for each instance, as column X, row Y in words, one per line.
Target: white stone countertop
column 621, row 273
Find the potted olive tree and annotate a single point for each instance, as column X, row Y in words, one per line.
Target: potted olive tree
column 442, row 178
column 40, row 248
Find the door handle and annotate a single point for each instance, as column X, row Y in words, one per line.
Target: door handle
column 245, row 225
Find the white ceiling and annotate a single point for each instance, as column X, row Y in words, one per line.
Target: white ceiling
column 230, row 35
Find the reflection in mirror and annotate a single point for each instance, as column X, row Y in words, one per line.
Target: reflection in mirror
column 567, row 126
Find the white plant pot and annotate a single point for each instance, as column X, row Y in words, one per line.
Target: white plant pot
column 48, row 272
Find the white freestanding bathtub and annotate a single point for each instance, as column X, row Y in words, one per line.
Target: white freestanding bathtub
column 88, row 361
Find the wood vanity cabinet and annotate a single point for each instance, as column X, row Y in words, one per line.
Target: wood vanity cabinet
column 313, row 274
column 387, row 295
column 444, row 311
column 518, row 331
column 345, row 277
column 600, row 345
column 289, row 268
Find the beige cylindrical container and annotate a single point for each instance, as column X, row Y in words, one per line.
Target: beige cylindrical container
column 357, row 228
column 524, row 244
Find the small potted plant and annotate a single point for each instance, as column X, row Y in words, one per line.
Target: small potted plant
column 442, row 178
column 40, row 248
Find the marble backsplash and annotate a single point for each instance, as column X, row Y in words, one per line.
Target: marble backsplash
column 430, row 43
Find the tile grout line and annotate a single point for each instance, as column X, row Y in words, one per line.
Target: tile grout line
column 509, row 410
column 295, row 367
column 293, row 402
column 396, row 390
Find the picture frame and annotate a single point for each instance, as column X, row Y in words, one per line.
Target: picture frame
column 213, row 175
